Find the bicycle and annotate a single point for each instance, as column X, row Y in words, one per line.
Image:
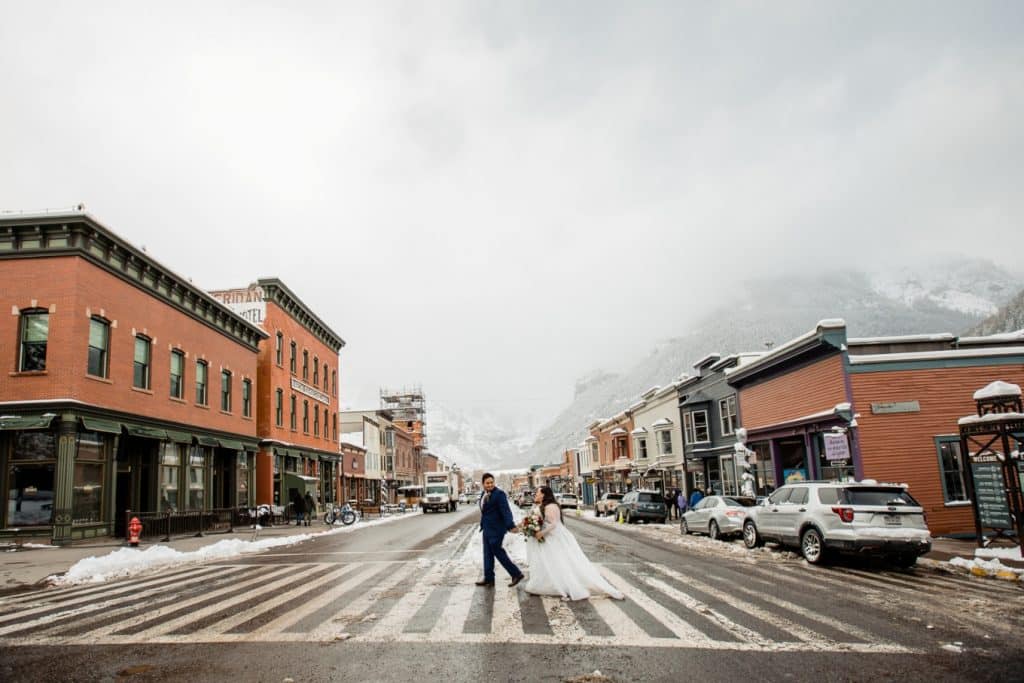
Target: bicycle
column 345, row 513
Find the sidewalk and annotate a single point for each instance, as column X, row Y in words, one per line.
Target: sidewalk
column 28, row 567
column 945, row 549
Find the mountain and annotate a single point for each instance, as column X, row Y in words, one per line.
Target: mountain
column 474, row 439
column 1009, row 318
column 942, row 297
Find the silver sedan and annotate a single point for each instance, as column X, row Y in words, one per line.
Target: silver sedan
column 716, row 516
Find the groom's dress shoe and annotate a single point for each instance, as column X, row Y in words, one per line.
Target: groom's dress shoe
column 485, row 583
column 515, row 580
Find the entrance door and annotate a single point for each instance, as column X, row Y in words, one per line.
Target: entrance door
column 793, row 459
column 122, row 499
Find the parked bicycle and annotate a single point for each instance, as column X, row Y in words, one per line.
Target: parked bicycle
column 345, row 514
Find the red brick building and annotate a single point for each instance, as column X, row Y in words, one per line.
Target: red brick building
column 126, row 388
column 297, row 401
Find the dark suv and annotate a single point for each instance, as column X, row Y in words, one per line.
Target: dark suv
column 649, row 505
column 819, row 517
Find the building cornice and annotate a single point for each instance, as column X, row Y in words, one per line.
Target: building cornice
column 276, row 291
column 79, row 234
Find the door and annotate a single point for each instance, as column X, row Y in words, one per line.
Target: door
column 768, row 515
column 790, row 513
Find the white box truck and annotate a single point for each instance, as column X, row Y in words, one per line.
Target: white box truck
column 440, row 492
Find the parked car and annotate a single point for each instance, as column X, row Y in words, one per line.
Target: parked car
column 524, row 499
column 607, row 503
column 824, row 517
column 464, row 498
column 646, row 505
column 717, row 516
column 566, row 500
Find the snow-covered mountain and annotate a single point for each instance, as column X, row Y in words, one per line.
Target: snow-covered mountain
column 474, row 439
column 945, row 297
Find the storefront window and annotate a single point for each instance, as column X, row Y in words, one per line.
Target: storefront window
column 794, row 461
column 87, row 495
column 170, row 464
column 243, row 479
column 196, row 479
column 762, row 469
column 839, row 470
column 728, row 476
column 31, row 479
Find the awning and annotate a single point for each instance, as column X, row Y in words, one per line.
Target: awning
column 207, row 441
column 179, row 437
column 146, row 432
column 250, row 446
column 95, row 424
column 33, row 422
column 230, row 444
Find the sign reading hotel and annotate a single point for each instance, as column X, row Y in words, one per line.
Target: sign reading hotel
column 304, row 388
column 248, row 303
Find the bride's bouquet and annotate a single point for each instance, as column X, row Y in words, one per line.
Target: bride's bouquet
column 530, row 525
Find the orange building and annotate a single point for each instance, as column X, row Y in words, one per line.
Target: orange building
column 297, row 401
column 126, row 388
column 616, row 453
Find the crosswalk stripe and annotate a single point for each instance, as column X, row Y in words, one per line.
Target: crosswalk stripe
column 563, row 621
column 362, row 614
column 347, row 588
column 418, row 611
column 81, row 590
column 640, row 608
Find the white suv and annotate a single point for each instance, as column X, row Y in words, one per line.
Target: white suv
column 566, row 500
column 819, row 517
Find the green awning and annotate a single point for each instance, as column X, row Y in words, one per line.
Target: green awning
column 95, row 424
column 146, row 432
column 207, row 441
column 29, row 422
column 250, row 446
column 230, row 444
column 179, row 437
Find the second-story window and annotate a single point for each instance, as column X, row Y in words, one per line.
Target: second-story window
column 202, row 374
column 177, row 374
column 225, row 391
column 641, row 448
column 279, row 408
column 247, row 398
column 334, row 383
column 99, row 347
column 316, row 420
column 35, row 328
column 695, row 426
column 305, row 417
column 305, row 364
column 316, row 370
column 665, row 442
column 279, row 349
column 291, row 358
column 727, row 412
column 140, row 372
column 325, row 378
column 294, row 417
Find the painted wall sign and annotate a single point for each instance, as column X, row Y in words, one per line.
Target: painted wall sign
column 836, row 447
column 248, row 303
column 304, row 388
column 896, row 407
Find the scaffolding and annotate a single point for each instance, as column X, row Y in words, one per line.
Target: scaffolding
column 407, row 405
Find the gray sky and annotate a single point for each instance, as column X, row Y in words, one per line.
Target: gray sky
column 492, row 199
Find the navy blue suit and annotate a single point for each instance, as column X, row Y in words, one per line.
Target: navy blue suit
column 495, row 521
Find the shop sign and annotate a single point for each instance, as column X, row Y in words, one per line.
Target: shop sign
column 694, row 465
column 304, row 388
column 836, row 447
column 248, row 303
column 990, row 491
column 896, row 407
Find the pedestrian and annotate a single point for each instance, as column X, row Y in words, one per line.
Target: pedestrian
column 695, row 497
column 299, row 505
column 310, row 507
column 495, row 521
column 681, row 502
column 669, row 503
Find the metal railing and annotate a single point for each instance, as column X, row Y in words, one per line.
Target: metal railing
column 177, row 523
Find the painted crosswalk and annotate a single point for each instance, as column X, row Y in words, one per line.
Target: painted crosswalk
column 430, row 600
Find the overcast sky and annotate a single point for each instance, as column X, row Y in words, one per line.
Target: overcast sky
column 491, row 199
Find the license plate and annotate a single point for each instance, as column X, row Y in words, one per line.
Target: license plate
column 893, row 520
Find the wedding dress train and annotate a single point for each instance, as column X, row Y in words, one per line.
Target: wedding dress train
column 558, row 565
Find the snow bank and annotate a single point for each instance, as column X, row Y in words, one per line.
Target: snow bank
column 1003, row 553
column 993, row 567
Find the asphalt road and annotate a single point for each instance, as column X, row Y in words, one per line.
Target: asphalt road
column 397, row 603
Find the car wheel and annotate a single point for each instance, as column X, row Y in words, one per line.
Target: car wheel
column 629, row 518
column 713, row 531
column 751, row 538
column 684, row 528
column 812, row 547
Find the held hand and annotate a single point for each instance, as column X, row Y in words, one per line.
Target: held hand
column 537, row 535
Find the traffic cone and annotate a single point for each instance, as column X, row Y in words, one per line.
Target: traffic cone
column 620, row 520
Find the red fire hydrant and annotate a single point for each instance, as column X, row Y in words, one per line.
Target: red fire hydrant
column 134, row 531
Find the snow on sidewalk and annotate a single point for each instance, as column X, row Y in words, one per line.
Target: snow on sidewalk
column 132, row 561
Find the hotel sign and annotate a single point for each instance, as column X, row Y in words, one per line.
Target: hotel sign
column 304, row 388
column 896, row 407
column 249, row 303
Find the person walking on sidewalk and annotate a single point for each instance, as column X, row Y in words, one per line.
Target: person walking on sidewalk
column 495, row 521
column 299, row 505
column 310, row 507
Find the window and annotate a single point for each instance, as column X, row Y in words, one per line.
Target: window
column 177, row 374
column 316, row 420
column 334, row 419
column 242, row 478
column 35, row 328
column 140, row 374
column 727, row 412
column 665, row 442
column 279, row 408
column 247, row 398
column 316, row 370
column 695, row 426
column 279, row 349
column 170, row 466
column 30, row 477
column 326, row 386
column 201, row 375
column 87, row 494
column 593, row 452
column 196, row 478
column 334, row 383
column 305, row 364
column 293, row 417
column 953, row 468
column 291, row 359
column 99, row 347
column 225, row 391
column 305, row 417
column 641, row 448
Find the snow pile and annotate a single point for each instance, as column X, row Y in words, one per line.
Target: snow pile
column 993, row 567
column 131, row 561
column 1002, row 553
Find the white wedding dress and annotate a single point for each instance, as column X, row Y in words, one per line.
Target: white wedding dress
column 558, row 565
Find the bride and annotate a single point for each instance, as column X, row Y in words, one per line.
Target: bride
column 558, row 565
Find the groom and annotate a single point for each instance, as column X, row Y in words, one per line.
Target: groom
column 495, row 521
